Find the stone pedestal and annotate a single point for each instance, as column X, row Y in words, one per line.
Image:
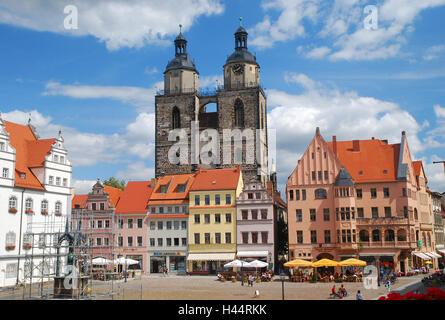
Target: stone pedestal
column 76, row 287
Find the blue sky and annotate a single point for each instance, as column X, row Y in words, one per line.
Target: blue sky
column 319, row 67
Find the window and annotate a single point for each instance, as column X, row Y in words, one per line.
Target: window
column 258, row 196
column 197, row 218
column 169, row 242
column 197, row 200
column 197, row 238
column 28, row 204
column 152, row 225
column 152, row 242
column 405, row 212
column 12, row 202
column 160, row 244
column 343, row 236
column 163, row 189
column 93, row 206
column 65, row 182
column 245, row 236
column 263, row 214
column 58, row 208
column 297, row 194
column 56, row 158
column 181, row 188
column 99, row 224
column 239, row 114
column 177, row 209
column 106, row 241
column 130, row 223
column 359, row 193
column 291, row 195
column 313, row 175
column 11, row 270
column 120, row 241
column 254, row 214
column 375, row 212
column 303, row 194
column 161, row 209
column 228, row 199
column 176, row 118
column 299, row 215
column 176, row 242
column 254, row 237
column 326, row 216
column 10, row 239
column 140, row 221
column 404, row 192
column 321, row 194
column 319, row 176
column 389, row 235
column 2, row 146
column 130, row 241
column 313, row 236
column 102, row 206
column 326, row 175
column 387, row 212
column 184, row 241
column 5, row 173
column 217, row 199
column 207, row 199
column 228, row 217
column 217, row 218
column 62, row 159
column 348, row 235
column 312, row 214
column 57, row 181
column 169, row 225
column 92, row 224
column 373, row 193
column 218, row 237
column 51, row 180
column 375, row 235
column 183, row 225
column 160, row 225
column 264, row 237
column 98, row 242
column 207, row 218
column 44, row 206
column 176, row 225
column 386, row 192
column 244, row 214
column 207, row 238
column 228, row 237
column 327, row 236
column 360, row 213
column 300, row 237
column 250, row 195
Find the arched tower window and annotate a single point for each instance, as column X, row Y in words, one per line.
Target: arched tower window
column 176, row 118
column 239, row 114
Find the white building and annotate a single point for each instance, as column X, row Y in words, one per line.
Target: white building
column 35, row 196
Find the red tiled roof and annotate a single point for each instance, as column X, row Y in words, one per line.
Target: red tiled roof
column 216, row 179
column 114, row 194
column 372, row 159
column 30, row 153
column 172, row 196
column 418, row 167
column 79, row 199
column 135, row 197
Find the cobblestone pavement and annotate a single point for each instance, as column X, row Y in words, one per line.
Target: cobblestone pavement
column 208, row 288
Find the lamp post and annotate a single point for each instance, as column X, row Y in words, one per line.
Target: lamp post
column 282, row 277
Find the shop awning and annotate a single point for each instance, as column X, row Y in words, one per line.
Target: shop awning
column 247, row 254
column 441, row 250
column 433, row 254
column 421, row 255
column 211, row 256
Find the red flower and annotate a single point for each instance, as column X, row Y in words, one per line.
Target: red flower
column 382, row 298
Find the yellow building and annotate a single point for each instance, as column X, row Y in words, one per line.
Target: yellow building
column 212, row 219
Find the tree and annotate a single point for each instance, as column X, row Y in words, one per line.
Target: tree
column 113, row 182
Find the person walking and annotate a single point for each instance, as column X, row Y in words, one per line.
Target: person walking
column 388, row 285
column 359, row 295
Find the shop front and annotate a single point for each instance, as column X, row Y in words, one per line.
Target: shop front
column 174, row 261
column 208, row 263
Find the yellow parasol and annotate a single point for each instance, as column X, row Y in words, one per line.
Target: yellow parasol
column 298, row 263
column 428, row 262
column 353, row 263
column 325, row 263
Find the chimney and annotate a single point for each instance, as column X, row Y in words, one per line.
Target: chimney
column 385, row 141
column 356, row 145
column 153, row 183
column 317, row 131
column 372, row 138
column 334, row 144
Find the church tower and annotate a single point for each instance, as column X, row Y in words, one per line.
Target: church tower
column 240, row 105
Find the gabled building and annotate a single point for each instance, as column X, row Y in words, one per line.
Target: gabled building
column 212, row 219
column 34, row 192
column 131, row 213
column 355, row 199
column 167, row 219
column 94, row 214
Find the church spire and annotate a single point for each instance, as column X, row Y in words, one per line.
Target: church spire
column 180, row 43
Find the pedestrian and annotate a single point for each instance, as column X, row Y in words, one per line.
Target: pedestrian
column 359, row 295
column 388, row 285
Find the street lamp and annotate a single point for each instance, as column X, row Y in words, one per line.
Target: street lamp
column 283, row 278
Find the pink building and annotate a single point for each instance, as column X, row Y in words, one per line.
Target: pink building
column 354, row 198
column 93, row 214
column 131, row 231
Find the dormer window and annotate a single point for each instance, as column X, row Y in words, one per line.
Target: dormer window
column 163, row 189
column 51, row 180
column 2, row 146
column 181, row 188
column 56, row 158
column 62, row 159
column 23, row 175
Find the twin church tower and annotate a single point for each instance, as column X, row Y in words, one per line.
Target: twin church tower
column 240, row 104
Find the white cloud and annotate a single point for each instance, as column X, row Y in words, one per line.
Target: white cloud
column 136, row 171
column 435, row 173
column 118, row 23
column 341, row 25
column 82, row 186
column 439, row 111
column 433, row 52
column 344, row 114
column 142, row 98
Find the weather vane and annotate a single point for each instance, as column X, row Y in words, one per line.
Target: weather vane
column 240, row 20
column 180, row 28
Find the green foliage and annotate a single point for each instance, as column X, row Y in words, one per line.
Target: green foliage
column 113, row 182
